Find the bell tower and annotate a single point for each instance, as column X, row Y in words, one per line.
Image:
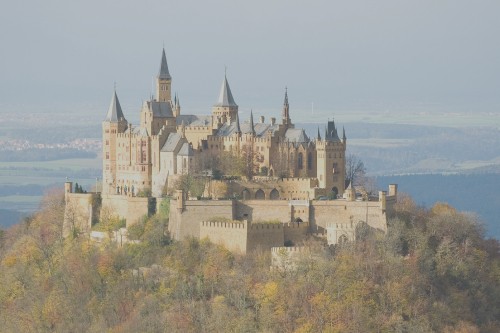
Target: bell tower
column 163, row 81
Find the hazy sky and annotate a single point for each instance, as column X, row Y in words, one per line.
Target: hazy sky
column 338, row 54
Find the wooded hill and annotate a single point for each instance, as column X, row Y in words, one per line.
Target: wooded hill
column 433, row 271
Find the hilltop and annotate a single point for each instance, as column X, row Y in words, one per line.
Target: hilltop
column 432, row 271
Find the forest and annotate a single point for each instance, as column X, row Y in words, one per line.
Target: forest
column 434, row 271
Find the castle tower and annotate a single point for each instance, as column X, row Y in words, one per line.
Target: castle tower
column 163, row 81
column 225, row 105
column 177, row 106
column 331, row 160
column 252, row 126
column 114, row 124
column 285, row 115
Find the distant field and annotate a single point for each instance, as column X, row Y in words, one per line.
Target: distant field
column 72, row 164
column 381, row 143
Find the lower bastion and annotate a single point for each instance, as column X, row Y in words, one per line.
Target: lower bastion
column 240, row 225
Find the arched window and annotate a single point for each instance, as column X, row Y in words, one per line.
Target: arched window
column 274, row 195
column 245, row 194
column 259, row 195
column 309, row 161
column 300, row 161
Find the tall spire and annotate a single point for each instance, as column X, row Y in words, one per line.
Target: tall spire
column 238, row 129
column 225, row 95
column 252, row 129
column 319, row 135
column 164, row 74
column 285, row 115
column 344, row 138
column 115, row 113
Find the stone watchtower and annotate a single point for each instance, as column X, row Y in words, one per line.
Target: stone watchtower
column 114, row 124
column 164, row 81
column 331, row 160
column 226, row 109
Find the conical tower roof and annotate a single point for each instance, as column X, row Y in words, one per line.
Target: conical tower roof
column 238, row 128
column 115, row 110
column 164, row 74
column 225, row 95
column 252, row 128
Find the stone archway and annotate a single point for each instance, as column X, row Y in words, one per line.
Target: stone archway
column 335, row 192
column 342, row 239
column 245, row 194
column 260, row 195
column 274, row 195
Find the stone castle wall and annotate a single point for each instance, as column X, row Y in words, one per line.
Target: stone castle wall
column 264, row 236
column 125, row 207
column 370, row 212
column 232, row 234
column 295, row 232
column 263, row 210
column 272, row 188
column 185, row 221
column 78, row 213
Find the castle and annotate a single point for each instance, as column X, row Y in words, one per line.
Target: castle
column 168, row 143
column 284, row 172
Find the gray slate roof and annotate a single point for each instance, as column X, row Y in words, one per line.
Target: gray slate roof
column 186, row 150
column 296, row 135
column 259, row 128
column 172, row 142
column 225, row 95
column 194, row 120
column 115, row 110
column 160, row 109
column 164, row 74
column 140, row 131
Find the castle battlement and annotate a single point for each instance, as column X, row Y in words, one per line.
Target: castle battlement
column 264, row 225
column 289, row 249
column 225, row 224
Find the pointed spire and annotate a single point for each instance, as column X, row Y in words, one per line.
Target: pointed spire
column 319, row 135
column 285, row 114
column 252, row 128
column 344, row 138
column 164, row 74
column 115, row 113
column 183, row 129
column 225, row 95
column 238, row 129
column 326, row 134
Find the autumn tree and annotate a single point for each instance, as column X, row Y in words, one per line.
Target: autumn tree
column 355, row 170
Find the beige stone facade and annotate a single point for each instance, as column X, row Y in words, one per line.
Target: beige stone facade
column 143, row 158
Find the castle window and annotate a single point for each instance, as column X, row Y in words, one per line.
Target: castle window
column 107, row 155
column 300, row 162
column 309, row 161
column 107, row 142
